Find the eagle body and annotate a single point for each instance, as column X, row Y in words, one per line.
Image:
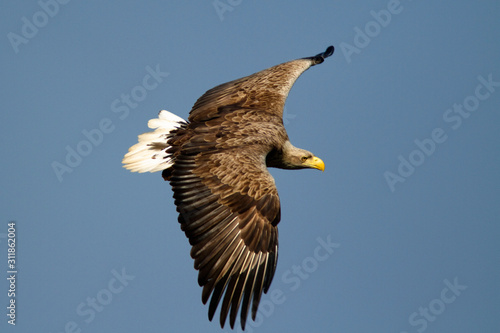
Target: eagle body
column 217, row 164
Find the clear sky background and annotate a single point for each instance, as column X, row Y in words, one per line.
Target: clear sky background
column 405, row 115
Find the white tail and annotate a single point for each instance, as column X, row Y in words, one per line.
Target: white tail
column 150, row 153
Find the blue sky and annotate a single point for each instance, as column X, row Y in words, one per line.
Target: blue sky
column 399, row 234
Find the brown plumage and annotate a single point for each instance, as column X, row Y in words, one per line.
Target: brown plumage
column 227, row 200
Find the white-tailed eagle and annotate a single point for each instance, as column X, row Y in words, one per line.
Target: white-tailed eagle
column 216, row 163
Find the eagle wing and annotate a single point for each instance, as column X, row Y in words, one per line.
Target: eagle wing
column 229, row 208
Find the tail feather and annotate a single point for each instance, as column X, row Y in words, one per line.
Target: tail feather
column 149, row 154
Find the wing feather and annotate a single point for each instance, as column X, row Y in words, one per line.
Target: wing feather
column 222, row 281
column 229, row 210
column 231, row 289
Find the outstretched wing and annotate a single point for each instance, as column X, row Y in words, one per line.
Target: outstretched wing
column 229, row 207
column 264, row 90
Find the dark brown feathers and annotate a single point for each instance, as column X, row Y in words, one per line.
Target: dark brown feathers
column 229, row 209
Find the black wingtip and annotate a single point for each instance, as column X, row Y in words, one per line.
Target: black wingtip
column 319, row 58
column 329, row 51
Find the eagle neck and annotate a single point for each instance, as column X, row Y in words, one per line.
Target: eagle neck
column 282, row 157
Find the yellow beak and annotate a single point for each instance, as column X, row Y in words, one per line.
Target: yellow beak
column 315, row 163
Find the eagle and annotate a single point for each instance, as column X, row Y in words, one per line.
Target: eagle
column 217, row 164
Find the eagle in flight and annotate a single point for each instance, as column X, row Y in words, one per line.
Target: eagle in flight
column 217, row 164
